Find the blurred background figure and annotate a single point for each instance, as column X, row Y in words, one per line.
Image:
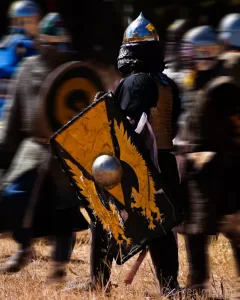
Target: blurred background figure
column 200, row 49
column 209, row 136
column 24, row 17
column 174, row 68
column 199, row 53
column 229, row 35
column 36, row 198
column 229, row 32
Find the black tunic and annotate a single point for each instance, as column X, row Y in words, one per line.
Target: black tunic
column 139, row 92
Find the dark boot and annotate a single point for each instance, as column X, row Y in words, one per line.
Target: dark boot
column 164, row 254
column 58, row 273
column 197, row 246
column 100, row 257
column 100, row 263
column 235, row 242
column 61, row 256
column 19, row 260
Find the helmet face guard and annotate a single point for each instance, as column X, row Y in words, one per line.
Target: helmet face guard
column 61, row 44
column 187, row 55
column 199, row 57
column 171, row 52
column 202, row 47
column 205, row 56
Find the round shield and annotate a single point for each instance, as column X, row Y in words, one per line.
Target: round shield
column 67, row 91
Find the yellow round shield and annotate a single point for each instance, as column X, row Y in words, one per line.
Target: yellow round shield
column 66, row 92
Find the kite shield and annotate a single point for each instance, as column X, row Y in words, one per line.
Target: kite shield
column 111, row 169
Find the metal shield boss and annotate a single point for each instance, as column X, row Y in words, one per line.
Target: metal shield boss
column 111, row 169
column 67, row 91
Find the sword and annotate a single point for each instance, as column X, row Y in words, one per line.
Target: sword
column 85, row 214
column 133, row 271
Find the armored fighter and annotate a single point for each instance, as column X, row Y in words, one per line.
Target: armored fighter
column 24, row 18
column 147, row 90
column 36, row 198
column 117, row 171
column 200, row 49
column 210, row 141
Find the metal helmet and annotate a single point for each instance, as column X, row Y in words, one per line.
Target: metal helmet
column 141, row 48
column 25, row 15
column 200, row 47
column 24, row 8
column 53, row 33
column 175, row 33
column 229, row 30
column 140, row 30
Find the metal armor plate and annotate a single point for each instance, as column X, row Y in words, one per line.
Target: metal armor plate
column 161, row 115
column 67, row 91
column 112, row 171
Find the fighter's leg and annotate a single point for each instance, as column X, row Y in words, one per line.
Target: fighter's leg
column 24, row 255
column 236, row 252
column 197, row 246
column 100, row 260
column 64, row 245
column 13, row 203
column 230, row 228
column 100, row 257
column 164, row 254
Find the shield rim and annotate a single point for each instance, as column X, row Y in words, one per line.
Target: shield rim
column 57, row 74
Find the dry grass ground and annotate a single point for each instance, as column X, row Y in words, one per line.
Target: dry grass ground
column 29, row 284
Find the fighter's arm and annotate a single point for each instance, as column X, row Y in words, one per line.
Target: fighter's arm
column 222, row 107
column 209, row 122
column 11, row 132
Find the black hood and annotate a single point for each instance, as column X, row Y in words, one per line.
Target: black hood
column 147, row 57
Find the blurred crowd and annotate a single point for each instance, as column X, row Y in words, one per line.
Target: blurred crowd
column 189, row 90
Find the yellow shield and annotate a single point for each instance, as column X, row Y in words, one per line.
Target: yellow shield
column 131, row 209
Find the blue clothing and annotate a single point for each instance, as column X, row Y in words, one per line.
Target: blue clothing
column 48, row 220
column 14, row 200
column 9, row 57
column 13, row 48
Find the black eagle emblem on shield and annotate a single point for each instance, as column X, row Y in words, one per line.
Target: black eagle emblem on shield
column 131, row 208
